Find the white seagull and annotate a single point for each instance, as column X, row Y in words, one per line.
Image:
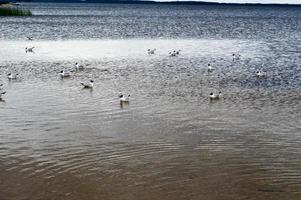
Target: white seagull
column 64, row 74
column 210, row 68
column 11, row 76
column 29, row 49
column 260, row 74
column 88, row 85
column 78, row 66
column 2, row 93
column 173, row 54
column 151, row 51
column 213, row 96
column 123, row 98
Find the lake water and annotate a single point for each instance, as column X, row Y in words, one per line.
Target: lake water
column 59, row 141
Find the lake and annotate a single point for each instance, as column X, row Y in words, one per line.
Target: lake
column 60, row 141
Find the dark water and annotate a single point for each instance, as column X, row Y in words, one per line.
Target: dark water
column 58, row 141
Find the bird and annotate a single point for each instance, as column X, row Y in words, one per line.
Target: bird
column 151, row 51
column 11, row 76
column 78, row 66
column 64, row 74
column 88, row 85
column 213, row 96
column 124, row 99
column 260, row 74
column 30, row 38
column 178, row 52
column 210, row 68
column 29, row 49
column 173, row 54
column 2, row 93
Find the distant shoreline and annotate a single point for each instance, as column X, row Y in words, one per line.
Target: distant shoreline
column 156, row 2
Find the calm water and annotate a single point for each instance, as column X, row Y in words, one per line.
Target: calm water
column 59, row 141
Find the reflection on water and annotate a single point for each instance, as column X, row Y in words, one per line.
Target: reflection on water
column 59, row 141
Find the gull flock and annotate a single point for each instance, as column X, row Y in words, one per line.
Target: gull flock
column 122, row 97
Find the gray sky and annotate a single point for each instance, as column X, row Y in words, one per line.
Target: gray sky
column 248, row 1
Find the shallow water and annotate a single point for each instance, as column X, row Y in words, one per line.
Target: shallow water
column 59, row 141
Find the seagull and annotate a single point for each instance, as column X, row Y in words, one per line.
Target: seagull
column 79, row 66
column 151, row 51
column 178, row 52
column 12, row 76
column 64, row 74
column 124, row 99
column 210, row 68
column 213, row 96
column 30, row 38
column 88, row 85
column 172, row 54
column 29, row 49
column 2, row 94
column 260, row 74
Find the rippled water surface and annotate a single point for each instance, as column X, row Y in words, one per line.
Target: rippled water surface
column 59, row 141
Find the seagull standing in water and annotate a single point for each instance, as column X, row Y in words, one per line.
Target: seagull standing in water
column 88, row 85
column 64, row 74
column 213, row 96
column 11, row 76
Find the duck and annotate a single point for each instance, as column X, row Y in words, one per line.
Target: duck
column 151, row 51
column 88, row 85
column 11, row 76
column 64, row 74
column 260, row 74
column 213, row 96
column 29, row 49
column 210, row 68
column 78, row 66
column 124, row 98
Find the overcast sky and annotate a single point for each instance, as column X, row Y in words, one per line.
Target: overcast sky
column 247, row 1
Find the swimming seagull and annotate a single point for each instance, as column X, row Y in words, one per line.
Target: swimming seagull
column 213, row 96
column 88, row 85
column 64, row 74
column 210, row 68
column 79, row 66
column 30, row 38
column 29, row 49
column 11, row 76
column 2, row 94
column 178, row 52
column 123, row 98
column 260, row 74
column 173, row 54
column 151, row 51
